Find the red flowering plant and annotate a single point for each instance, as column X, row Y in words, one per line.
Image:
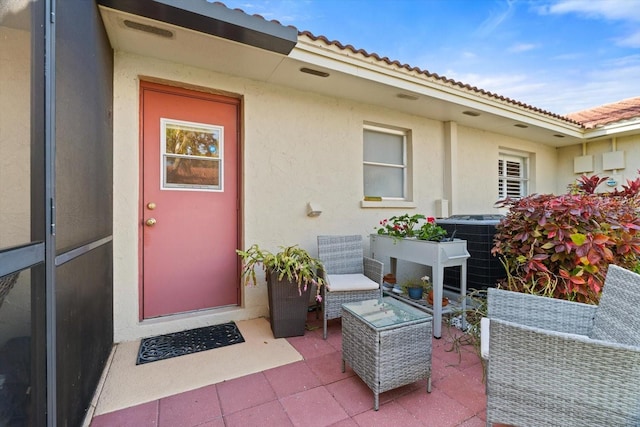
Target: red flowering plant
column 561, row 246
column 431, row 231
column 407, row 225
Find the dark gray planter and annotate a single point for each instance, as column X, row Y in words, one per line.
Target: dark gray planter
column 287, row 308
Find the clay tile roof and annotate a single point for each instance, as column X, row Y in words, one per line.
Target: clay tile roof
column 434, row 76
column 426, row 73
column 255, row 14
column 608, row 113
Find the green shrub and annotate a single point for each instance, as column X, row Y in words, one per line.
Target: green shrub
column 561, row 246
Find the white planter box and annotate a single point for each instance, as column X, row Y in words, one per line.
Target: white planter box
column 437, row 255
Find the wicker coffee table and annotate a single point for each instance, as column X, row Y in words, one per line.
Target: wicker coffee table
column 387, row 343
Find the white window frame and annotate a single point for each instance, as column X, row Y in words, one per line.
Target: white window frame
column 166, row 123
column 503, row 179
column 406, row 199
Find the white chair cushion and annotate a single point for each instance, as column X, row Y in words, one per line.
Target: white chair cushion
column 349, row 282
column 484, row 337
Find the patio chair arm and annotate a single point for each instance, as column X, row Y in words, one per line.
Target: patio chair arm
column 539, row 377
column 373, row 269
column 540, row 312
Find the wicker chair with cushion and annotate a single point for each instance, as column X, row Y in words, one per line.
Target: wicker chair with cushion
column 348, row 274
column 558, row 363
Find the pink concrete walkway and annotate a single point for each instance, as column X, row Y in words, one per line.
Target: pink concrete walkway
column 315, row 393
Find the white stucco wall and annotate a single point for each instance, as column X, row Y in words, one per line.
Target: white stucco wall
column 15, row 137
column 298, row 147
column 629, row 144
column 15, row 181
column 477, row 158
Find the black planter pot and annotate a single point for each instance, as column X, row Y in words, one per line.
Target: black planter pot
column 287, row 308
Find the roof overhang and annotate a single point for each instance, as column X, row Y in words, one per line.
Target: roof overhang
column 613, row 130
column 214, row 20
column 211, row 36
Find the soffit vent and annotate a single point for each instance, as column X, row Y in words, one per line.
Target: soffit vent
column 407, row 96
column 314, row 72
column 148, row 29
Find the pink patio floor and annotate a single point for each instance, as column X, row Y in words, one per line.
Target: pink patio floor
column 315, row 393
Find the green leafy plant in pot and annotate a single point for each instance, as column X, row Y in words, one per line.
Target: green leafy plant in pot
column 415, row 226
column 291, row 274
column 415, row 288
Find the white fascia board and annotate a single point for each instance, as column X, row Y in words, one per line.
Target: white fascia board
column 614, row 129
column 369, row 69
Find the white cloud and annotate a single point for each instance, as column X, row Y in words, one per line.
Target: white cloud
column 625, row 62
column 292, row 12
column 611, row 81
column 631, row 40
column 495, row 19
column 573, row 56
column 622, row 10
column 509, row 85
column 522, row 47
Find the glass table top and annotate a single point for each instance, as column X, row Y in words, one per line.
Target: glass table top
column 385, row 312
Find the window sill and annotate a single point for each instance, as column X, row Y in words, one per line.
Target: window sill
column 387, row 204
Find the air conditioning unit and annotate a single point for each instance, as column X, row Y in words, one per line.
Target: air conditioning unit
column 483, row 269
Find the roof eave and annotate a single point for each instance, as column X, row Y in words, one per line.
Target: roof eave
column 422, row 84
column 618, row 129
column 213, row 19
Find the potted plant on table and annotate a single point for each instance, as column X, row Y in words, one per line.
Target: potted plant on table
column 401, row 226
column 428, row 288
column 415, row 288
column 290, row 274
column 431, row 231
column 408, row 226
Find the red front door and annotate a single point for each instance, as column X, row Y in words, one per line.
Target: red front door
column 189, row 212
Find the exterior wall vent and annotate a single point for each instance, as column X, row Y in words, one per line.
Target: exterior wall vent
column 314, row 72
column 148, row 29
column 407, row 96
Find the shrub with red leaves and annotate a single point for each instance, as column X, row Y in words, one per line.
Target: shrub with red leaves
column 561, row 246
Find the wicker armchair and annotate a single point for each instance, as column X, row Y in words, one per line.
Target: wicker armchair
column 559, row 363
column 348, row 274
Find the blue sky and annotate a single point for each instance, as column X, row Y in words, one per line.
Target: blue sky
column 558, row 55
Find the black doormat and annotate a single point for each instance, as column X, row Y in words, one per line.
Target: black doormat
column 186, row 342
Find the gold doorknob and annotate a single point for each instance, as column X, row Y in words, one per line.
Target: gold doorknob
column 150, row 222
column 151, row 206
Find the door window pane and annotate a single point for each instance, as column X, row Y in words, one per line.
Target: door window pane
column 191, row 155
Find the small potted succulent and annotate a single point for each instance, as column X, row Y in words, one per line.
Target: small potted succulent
column 291, row 273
